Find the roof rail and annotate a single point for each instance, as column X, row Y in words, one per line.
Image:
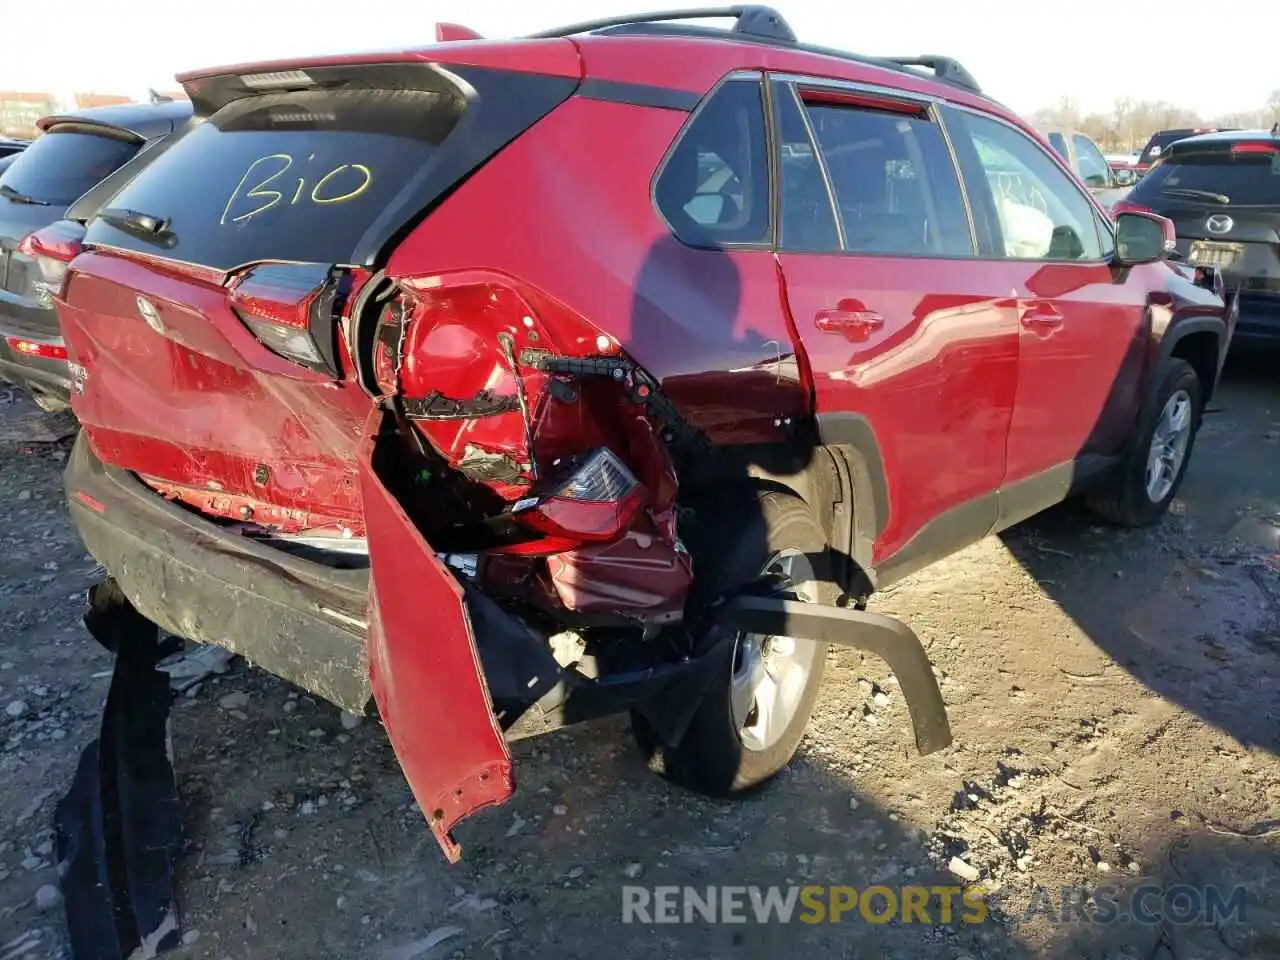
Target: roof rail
column 759, row 24
column 945, row 69
column 755, row 22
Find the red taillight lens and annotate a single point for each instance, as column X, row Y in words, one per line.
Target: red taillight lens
column 295, row 309
column 45, row 350
column 597, row 502
column 52, row 248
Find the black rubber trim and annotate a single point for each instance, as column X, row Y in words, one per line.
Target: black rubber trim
column 197, row 580
column 871, row 492
column 638, row 95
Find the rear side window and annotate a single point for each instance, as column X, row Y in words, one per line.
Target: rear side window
column 1059, row 143
column 896, row 188
column 714, row 187
column 65, row 162
column 808, row 213
column 1243, row 179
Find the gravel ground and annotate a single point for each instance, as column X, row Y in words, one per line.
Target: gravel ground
column 1115, row 698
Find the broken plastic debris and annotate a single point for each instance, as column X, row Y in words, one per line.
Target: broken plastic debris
column 192, row 665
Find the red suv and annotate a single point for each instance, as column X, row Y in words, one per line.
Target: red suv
column 513, row 383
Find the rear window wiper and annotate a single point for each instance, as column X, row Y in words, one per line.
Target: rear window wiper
column 1193, row 194
column 143, row 225
column 17, row 196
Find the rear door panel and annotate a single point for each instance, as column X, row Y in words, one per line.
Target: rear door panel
column 425, row 668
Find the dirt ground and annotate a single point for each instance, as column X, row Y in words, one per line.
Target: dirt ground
column 1115, row 698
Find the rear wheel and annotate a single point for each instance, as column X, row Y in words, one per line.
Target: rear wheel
column 1139, row 491
column 752, row 720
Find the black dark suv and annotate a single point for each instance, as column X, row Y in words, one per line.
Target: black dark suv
column 64, row 173
column 1222, row 191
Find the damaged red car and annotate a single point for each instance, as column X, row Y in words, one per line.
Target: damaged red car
column 512, row 384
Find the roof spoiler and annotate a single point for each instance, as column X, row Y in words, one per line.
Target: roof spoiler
column 452, row 32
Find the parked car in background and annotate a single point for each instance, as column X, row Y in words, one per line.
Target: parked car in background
column 1161, row 140
column 1222, row 192
column 1083, row 156
column 333, row 422
column 46, row 195
column 9, row 147
column 1123, row 161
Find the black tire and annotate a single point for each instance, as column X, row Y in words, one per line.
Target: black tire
column 732, row 542
column 1122, row 497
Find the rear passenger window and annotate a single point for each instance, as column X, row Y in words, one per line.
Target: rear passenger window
column 714, row 188
column 808, row 218
column 895, row 185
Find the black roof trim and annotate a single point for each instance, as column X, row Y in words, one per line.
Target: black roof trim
column 760, row 24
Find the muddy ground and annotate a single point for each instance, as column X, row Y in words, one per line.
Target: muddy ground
column 1115, row 696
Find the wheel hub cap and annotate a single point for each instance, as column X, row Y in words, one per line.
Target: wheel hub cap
column 1168, row 446
column 770, row 674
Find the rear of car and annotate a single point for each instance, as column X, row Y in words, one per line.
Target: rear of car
column 1161, row 140
column 48, row 181
column 1222, row 191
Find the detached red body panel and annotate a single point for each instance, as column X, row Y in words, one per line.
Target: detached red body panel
column 426, row 671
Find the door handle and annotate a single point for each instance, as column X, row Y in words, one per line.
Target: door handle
column 1041, row 316
column 853, row 325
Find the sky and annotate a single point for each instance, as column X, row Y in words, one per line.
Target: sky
column 1214, row 58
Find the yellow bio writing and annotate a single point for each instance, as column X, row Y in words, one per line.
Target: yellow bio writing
column 338, row 185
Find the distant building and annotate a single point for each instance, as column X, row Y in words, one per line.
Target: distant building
column 19, row 112
column 86, row 101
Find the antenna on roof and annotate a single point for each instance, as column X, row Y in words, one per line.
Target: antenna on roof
column 159, row 97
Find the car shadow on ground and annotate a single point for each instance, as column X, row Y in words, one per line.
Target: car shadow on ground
column 1193, row 618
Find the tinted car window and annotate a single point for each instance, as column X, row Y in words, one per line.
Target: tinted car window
column 1245, row 179
column 1160, row 142
column 1091, row 165
column 1042, row 214
column 62, row 164
column 1059, row 143
column 714, row 188
column 895, row 185
column 808, row 218
column 289, row 176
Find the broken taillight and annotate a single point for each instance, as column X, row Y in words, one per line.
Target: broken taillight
column 596, row 503
column 52, row 248
column 295, row 309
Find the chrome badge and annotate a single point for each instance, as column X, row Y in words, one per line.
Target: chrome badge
column 1219, row 223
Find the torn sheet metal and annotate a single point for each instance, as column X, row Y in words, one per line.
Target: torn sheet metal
column 119, row 827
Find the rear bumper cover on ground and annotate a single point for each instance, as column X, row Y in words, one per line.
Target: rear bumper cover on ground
column 300, row 620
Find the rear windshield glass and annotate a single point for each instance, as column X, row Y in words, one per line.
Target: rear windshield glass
column 1250, row 180
column 287, row 176
column 1162, row 140
column 62, row 164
